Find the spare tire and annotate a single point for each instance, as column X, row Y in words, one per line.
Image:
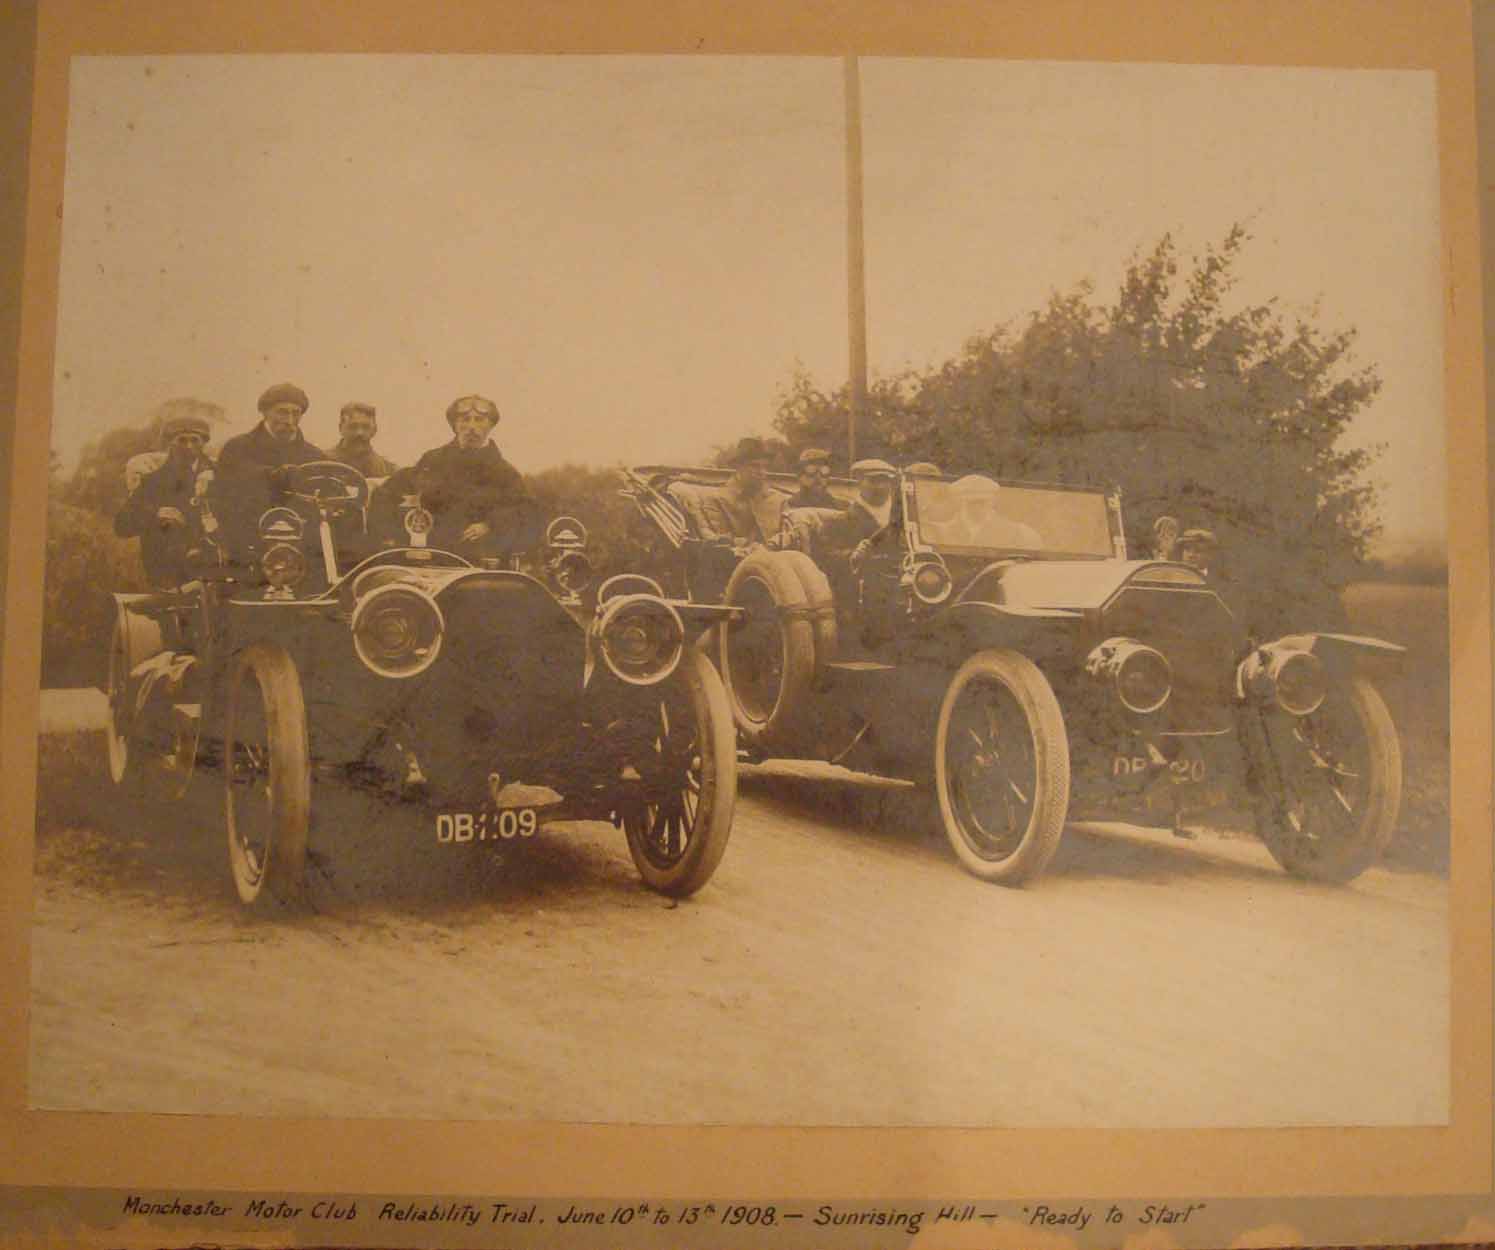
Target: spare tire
column 821, row 604
column 768, row 661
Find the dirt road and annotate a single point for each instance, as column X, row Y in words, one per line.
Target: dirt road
column 830, row 973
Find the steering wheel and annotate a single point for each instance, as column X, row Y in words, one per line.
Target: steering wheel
column 329, row 484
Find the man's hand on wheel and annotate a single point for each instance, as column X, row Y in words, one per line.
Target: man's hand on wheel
column 476, row 531
column 170, row 517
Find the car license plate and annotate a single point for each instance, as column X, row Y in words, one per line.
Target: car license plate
column 1179, row 770
column 487, row 825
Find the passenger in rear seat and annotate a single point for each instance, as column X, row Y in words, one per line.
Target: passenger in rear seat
column 746, row 511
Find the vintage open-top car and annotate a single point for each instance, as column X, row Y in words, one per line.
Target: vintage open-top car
column 430, row 674
column 996, row 644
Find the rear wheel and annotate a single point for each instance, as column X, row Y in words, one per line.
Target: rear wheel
column 687, row 764
column 267, row 775
column 124, row 765
column 1001, row 760
column 132, row 640
column 1331, row 785
column 768, row 660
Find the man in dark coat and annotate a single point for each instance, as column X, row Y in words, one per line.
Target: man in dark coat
column 356, row 426
column 164, row 509
column 477, row 499
column 253, row 467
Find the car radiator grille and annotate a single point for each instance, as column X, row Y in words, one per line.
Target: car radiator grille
column 1197, row 634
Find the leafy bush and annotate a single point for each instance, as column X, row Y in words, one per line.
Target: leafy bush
column 1227, row 418
column 85, row 563
column 619, row 540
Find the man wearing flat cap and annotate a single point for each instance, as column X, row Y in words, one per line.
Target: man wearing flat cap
column 814, row 472
column 477, row 500
column 252, row 468
column 746, row 510
column 356, row 427
column 1196, row 548
column 163, row 510
column 870, row 515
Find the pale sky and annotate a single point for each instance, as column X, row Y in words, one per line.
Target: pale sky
column 630, row 254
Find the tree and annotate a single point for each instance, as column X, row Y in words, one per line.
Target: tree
column 1230, row 419
column 85, row 563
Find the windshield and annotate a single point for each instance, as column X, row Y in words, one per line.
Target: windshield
column 975, row 516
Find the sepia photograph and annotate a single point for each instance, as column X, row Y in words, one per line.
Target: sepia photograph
column 746, row 590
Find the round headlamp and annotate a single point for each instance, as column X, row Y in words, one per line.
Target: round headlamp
column 397, row 630
column 932, row 582
column 572, row 571
column 1144, row 681
column 1292, row 678
column 284, row 566
column 1300, row 683
column 1140, row 675
column 641, row 638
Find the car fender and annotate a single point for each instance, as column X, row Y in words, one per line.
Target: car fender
column 1345, row 654
column 162, row 677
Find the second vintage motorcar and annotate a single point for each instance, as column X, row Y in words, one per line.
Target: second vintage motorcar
column 996, row 645
column 427, row 673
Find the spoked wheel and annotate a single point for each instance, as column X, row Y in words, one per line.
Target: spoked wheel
column 1332, row 785
column 687, row 763
column 1002, row 767
column 267, row 775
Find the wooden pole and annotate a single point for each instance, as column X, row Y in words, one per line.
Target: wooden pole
column 856, row 283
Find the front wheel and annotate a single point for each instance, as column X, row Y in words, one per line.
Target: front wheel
column 1001, row 762
column 1329, row 785
column 687, row 764
column 267, row 775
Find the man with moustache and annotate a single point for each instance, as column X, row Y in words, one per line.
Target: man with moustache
column 253, row 468
column 868, row 520
column 356, row 427
column 162, row 509
column 477, row 500
column 746, row 511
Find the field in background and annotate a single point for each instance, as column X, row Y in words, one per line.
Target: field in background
column 1416, row 616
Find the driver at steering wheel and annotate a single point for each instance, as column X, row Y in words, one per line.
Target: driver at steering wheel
column 253, row 468
column 476, row 498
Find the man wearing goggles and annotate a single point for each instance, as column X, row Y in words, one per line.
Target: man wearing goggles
column 477, row 499
column 814, row 473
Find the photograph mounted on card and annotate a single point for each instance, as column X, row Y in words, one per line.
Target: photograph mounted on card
column 830, row 588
